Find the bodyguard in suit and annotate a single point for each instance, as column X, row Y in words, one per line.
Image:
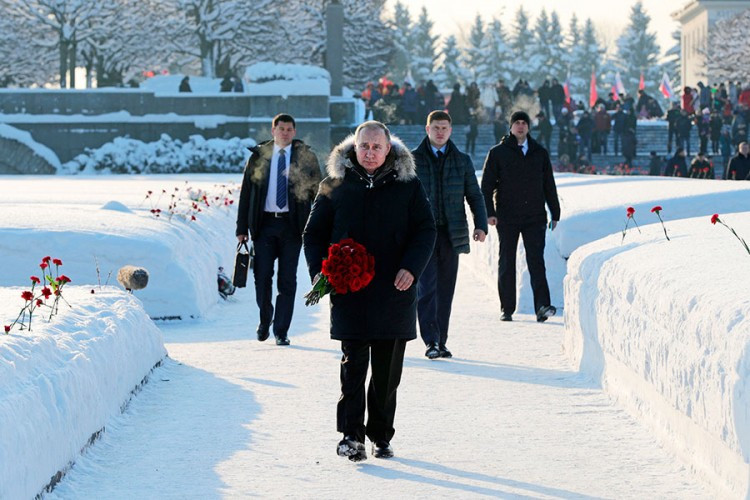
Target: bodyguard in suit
column 278, row 186
column 449, row 180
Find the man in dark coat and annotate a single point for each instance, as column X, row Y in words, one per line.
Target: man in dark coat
column 449, row 178
column 557, row 98
column 739, row 166
column 372, row 194
column 278, row 186
column 677, row 165
column 701, row 167
column 517, row 181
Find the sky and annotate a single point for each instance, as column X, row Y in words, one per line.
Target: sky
column 609, row 17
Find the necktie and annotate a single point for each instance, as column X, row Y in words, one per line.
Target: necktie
column 281, row 180
column 520, row 147
column 440, row 155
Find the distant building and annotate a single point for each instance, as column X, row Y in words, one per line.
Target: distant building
column 696, row 19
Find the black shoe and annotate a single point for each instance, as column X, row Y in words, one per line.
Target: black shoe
column 444, row 352
column 506, row 317
column 282, row 340
column 263, row 331
column 351, row 448
column 433, row 351
column 382, row 449
column 545, row 312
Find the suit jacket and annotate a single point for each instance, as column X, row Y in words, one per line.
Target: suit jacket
column 304, row 177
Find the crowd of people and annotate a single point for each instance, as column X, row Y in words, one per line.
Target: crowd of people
column 718, row 114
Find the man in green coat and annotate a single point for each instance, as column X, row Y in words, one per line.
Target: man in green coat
column 449, row 178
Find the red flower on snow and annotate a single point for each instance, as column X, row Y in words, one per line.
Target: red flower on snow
column 39, row 302
column 57, row 262
column 43, row 265
column 63, row 279
column 27, row 296
column 47, row 259
column 46, row 292
column 715, row 218
column 7, row 328
column 656, row 209
column 34, row 279
column 630, row 211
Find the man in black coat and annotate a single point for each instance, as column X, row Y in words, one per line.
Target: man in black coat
column 449, row 178
column 517, row 181
column 278, row 186
column 372, row 194
column 739, row 166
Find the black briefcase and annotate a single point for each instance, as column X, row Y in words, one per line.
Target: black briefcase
column 242, row 262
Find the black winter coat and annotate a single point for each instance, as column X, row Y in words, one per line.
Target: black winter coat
column 738, row 168
column 304, row 177
column 458, row 182
column 516, row 187
column 390, row 215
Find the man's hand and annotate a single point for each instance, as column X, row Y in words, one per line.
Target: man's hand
column 404, row 280
column 479, row 235
column 492, row 221
column 552, row 225
column 241, row 237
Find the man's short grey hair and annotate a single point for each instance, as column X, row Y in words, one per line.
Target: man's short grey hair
column 373, row 125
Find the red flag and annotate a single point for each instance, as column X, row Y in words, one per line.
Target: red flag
column 641, row 83
column 615, row 97
column 566, row 89
column 592, row 90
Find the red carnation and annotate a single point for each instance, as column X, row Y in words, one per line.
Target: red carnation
column 34, row 279
column 27, row 296
column 47, row 259
column 43, row 265
column 656, row 209
column 7, row 328
column 630, row 211
column 63, row 279
column 715, row 218
column 192, row 217
column 46, row 292
column 38, row 302
column 57, row 262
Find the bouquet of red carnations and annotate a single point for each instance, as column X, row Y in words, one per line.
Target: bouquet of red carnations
column 348, row 268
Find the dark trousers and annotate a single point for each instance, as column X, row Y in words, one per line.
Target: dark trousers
column 618, row 137
column 387, row 363
column 277, row 240
column 533, row 242
column 435, row 291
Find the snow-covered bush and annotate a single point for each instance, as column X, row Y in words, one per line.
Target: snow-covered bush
column 165, row 156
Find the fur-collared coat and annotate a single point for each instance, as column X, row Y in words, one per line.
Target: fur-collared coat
column 390, row 215
column 304, row 176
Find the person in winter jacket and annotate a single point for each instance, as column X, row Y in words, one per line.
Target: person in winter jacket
column 278, row 187
column 450, row 181
column 739, row 166
column 677, row 165
column 517, row 182
column 372, row 195
column 701, row 167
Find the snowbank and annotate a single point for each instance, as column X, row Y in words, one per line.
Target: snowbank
column 270, row 79
column 665, row 326
column 66, row 217
column 593, row 207
column 14, row 134
column 65, row 379
column 170, row 85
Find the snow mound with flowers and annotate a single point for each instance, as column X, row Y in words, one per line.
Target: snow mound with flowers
column 665, row 326
column 71, row 218
column 63, row 380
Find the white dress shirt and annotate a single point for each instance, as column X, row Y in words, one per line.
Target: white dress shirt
column 271, row 205
column 525, row 146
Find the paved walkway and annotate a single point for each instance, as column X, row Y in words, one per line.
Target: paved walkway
column 230, row 417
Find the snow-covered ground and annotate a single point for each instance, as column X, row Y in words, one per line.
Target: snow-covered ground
column 522, row 411
column 109, row 220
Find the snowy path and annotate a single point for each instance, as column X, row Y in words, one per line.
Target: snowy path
column 230, row 417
